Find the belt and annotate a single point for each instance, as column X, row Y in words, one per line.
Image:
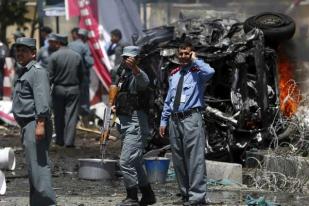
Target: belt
column 185, row 114
column 24, row 121
column 66, row 85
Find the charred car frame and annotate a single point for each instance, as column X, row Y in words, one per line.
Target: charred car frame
column 243, row 97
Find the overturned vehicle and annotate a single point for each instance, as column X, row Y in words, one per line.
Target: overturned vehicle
column 243, row 96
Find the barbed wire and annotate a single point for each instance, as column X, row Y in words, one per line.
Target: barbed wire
column 274, row 172
column 263, row 179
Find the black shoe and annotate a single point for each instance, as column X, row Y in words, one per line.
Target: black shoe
column 148, row 196
column 131, row 199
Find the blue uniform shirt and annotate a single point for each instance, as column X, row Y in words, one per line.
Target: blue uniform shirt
column 31, row 97
column 192, row 96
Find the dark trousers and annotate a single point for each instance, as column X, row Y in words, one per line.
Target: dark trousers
column 36, row 154
column 85, row 98
column 65, row 104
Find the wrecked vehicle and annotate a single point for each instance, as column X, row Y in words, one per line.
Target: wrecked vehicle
column 243, row 96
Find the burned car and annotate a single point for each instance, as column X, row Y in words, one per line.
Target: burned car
column 242, row 98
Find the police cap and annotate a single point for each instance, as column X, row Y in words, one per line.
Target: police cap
column 25, row 41
column 131, row 51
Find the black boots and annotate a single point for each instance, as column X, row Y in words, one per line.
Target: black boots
column 131, row 199
column 148, row 196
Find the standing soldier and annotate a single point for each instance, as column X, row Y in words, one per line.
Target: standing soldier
column 44, row 33
column 74, row 33
column 131, row 108
column 114, row 50
column 115, row 47
column 66, row 72
column 17, row 34
column 182, row 109
column 80, row 46
column 31, row 109
column 45, row 52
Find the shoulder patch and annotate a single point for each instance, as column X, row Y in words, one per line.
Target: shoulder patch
column 174, row 71
column 194, row 69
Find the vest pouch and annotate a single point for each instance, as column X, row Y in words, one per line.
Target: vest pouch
column 125, row 103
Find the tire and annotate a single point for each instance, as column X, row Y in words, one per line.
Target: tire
column 276, row 27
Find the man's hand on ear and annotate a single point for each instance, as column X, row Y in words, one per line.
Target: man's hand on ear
column 193, row 56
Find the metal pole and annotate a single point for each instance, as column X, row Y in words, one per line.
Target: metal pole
column 57, row 24
column 40, row 19
column 145, row 14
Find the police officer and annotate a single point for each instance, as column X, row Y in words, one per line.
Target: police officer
column 45, row 31
column 45, row 52
column 80, row 46
column 182, row 109
column 66, row 72
column 114, row 50
column 131, row 111
column 74, row 33
column 31, row 109
column 17, row 34
column 115, row 47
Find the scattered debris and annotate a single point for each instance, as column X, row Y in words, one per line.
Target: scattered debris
column 6, row 114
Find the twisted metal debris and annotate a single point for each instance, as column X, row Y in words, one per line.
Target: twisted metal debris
column 286, row 147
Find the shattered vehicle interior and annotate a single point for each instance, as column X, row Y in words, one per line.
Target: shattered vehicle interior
column 243, row 96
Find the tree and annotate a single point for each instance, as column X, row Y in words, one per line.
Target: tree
column 12, row 12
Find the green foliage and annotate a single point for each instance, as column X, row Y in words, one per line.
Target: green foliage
column 12, row 12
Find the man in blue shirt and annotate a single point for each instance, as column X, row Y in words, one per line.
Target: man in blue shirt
column 182, row 109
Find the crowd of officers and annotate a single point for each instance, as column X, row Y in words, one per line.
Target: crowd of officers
column 59, row 79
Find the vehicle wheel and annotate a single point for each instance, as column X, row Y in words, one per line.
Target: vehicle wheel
column 276, row 27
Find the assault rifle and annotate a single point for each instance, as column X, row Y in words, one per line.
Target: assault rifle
column 113, row 91
column 107, row 124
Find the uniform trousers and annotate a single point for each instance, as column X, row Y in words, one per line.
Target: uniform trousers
column 37, row 159
column 66, row 105
column 85, row 98
column 187, row 139
column 131, row 158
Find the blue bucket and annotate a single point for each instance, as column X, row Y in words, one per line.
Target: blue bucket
column 157, row 168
